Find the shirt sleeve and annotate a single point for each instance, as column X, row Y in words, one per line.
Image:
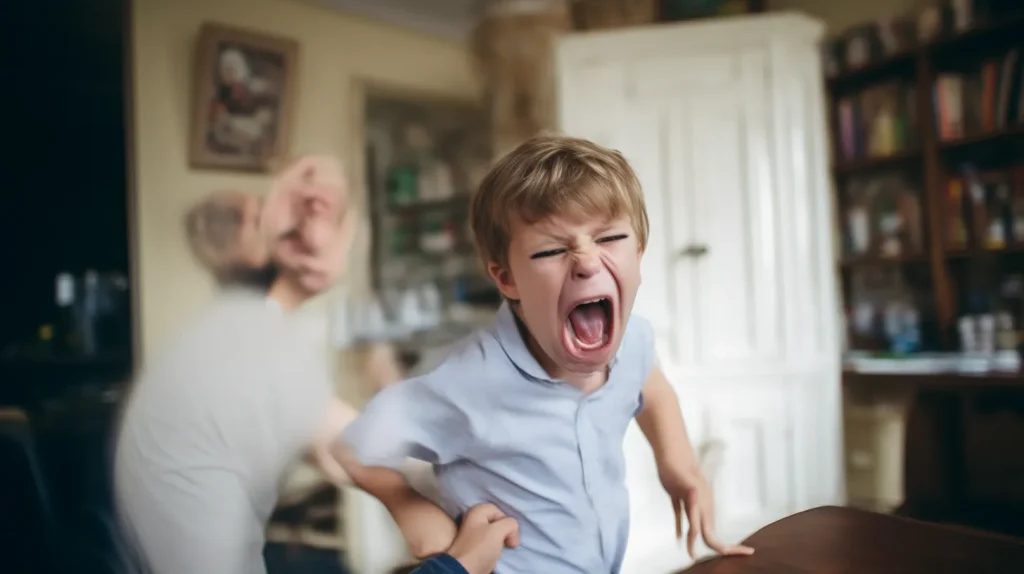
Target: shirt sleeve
column 648, row 349
column 648, row 354
column 410, row 419
column 442, row 564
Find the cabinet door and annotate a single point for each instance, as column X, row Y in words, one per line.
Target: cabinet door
column 751, row 425
column 722, row 259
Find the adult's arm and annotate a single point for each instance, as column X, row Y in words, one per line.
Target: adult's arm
column 337, row 416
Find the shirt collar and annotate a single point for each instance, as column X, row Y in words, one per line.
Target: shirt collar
column 511, row 341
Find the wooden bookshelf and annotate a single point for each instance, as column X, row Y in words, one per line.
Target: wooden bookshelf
column 932, row 162
column 957, row 425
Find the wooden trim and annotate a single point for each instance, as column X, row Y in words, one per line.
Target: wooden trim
column 131, row 182
column 934, row 193
column 398, row 90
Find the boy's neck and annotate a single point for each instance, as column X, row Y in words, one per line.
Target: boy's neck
column 586, row 382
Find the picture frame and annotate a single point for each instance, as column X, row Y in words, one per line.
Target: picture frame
column 243, row 99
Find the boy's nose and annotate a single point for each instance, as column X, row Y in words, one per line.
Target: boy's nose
column 586, row 265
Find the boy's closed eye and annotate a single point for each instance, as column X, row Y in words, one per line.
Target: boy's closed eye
column 559, row 251
column 547, row 253
column 611, row 238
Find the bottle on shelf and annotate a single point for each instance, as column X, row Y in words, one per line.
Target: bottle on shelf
column 66, row 338
column 402, row 180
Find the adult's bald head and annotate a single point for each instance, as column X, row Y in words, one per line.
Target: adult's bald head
column 223, row 233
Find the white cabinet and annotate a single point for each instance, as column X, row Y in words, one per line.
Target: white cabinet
column 723, row 122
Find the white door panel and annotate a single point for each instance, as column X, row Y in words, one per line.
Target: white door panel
column 721, row 184
column 751, row 419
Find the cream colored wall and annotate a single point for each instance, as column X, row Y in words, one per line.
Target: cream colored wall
column 335, row 50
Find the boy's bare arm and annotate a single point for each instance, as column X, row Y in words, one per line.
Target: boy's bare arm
column 426, row 528
column 661, row 421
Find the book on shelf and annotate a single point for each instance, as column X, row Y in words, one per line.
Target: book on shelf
column 879, row 121
column 985, row 210
column 983, row 100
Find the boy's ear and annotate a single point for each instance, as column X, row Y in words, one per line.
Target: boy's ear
column 504, row 280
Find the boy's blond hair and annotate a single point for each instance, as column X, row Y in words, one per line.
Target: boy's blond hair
column 553, row 176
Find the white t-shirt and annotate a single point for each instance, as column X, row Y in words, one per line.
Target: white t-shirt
column 209, row 431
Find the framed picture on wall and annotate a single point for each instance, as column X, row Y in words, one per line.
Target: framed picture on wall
column 244, row 91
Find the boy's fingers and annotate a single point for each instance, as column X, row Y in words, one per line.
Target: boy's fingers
column 677, row 508
column 694, row 531
column 711, row 539
column 726, row 549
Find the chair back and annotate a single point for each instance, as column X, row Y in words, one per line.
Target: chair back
column 28, row 526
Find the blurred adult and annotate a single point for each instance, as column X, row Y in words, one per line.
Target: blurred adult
column 215, row 420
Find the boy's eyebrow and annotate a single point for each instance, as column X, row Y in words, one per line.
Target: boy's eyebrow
column 547, row 235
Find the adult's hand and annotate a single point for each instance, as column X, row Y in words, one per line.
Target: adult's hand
column 484, row 533
column 308, row 220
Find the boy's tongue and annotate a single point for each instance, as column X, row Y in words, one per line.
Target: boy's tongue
column 588, row 323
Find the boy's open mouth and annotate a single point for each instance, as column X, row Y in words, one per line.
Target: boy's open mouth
column 589, row 324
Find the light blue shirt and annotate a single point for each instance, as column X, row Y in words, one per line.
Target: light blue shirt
column 498, row 429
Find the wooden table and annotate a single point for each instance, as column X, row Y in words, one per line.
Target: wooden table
column 831, row 540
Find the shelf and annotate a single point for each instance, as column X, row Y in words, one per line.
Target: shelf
column 870, row 164
column 981, row 252
column 947, row 380
column 874, row 260
column 904, row 61
column 872, row 72
column 998, row 137
column 1004, row 30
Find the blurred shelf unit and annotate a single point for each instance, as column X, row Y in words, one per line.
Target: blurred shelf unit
column 928, row 163
column 425, row 156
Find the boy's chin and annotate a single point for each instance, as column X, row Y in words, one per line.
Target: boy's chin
column 586, row 361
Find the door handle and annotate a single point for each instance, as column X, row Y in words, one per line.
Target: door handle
column 694, row 250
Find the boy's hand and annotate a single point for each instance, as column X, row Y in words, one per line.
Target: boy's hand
column 690, row 492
